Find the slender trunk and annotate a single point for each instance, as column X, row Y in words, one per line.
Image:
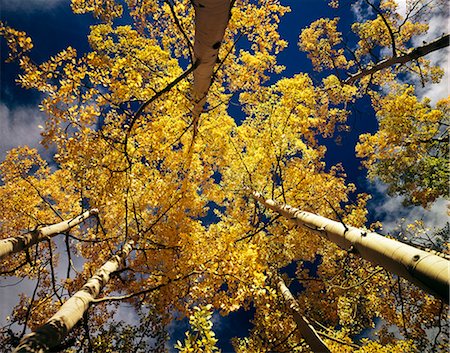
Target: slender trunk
column 306, row 329
column 427, row 270
column 15, row 244
column 211, row 19
column 56, row 329
column 402, row 59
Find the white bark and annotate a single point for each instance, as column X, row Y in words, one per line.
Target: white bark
column 427, row 270
column 211, row 19
column 15, row 244
column 56, row 329
column 305, row 328
column 414, row 54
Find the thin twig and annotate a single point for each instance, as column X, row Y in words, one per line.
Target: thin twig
column 338, row 340
column 337, row 215
column 391, row 33
column 183, row 32
column 27, row 316
column 145, row 291
column 402, row 307
column 441, row 309
column 52, row 271
column 14, row 269
column 159, row 94
column 359, row 283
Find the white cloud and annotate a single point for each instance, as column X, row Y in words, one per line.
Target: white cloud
column 439, row 90
column 361, row 11
column 29, row 5
column 18, row 127
column 438, row 25
column 390, row 210
column 401, row 9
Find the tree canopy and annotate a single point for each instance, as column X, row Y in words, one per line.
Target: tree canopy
column 165, row 176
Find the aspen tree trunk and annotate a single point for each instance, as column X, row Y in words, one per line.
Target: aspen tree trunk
column 211, row 19
column 414, row 54
column 427, row 270
column 15, row 244
column 56, row 329
column 306, row 329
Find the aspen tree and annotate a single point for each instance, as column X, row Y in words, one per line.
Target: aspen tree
column 141, row 180
column 211, row 19
column 383, row 30
column 413, row 54
column 15, row 244
column 306, row 329
column 427, row 270
column 410, row 151
column 59, row 325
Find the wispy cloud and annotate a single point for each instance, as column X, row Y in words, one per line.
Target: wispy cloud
column 439, row 19
column 401, row 8
column 436, row 91
column 390, row 210
column 19, row 126
column 439, row 24
column 29, row 5
column 361, row 11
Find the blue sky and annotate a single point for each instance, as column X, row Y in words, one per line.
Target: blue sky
column 53, row 27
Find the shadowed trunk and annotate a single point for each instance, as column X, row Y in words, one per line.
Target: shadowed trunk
column 427, row 270
column 307, row 331
column 15, row 244
column 52, row 333
column 211, row 19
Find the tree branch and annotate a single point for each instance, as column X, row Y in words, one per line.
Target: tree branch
column 414, row 54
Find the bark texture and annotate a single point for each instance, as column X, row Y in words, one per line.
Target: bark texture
column 15, row 244
column 56, row 329
column 305, row 328
column 429, row 271
column 211, row 19
column 414, row 54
